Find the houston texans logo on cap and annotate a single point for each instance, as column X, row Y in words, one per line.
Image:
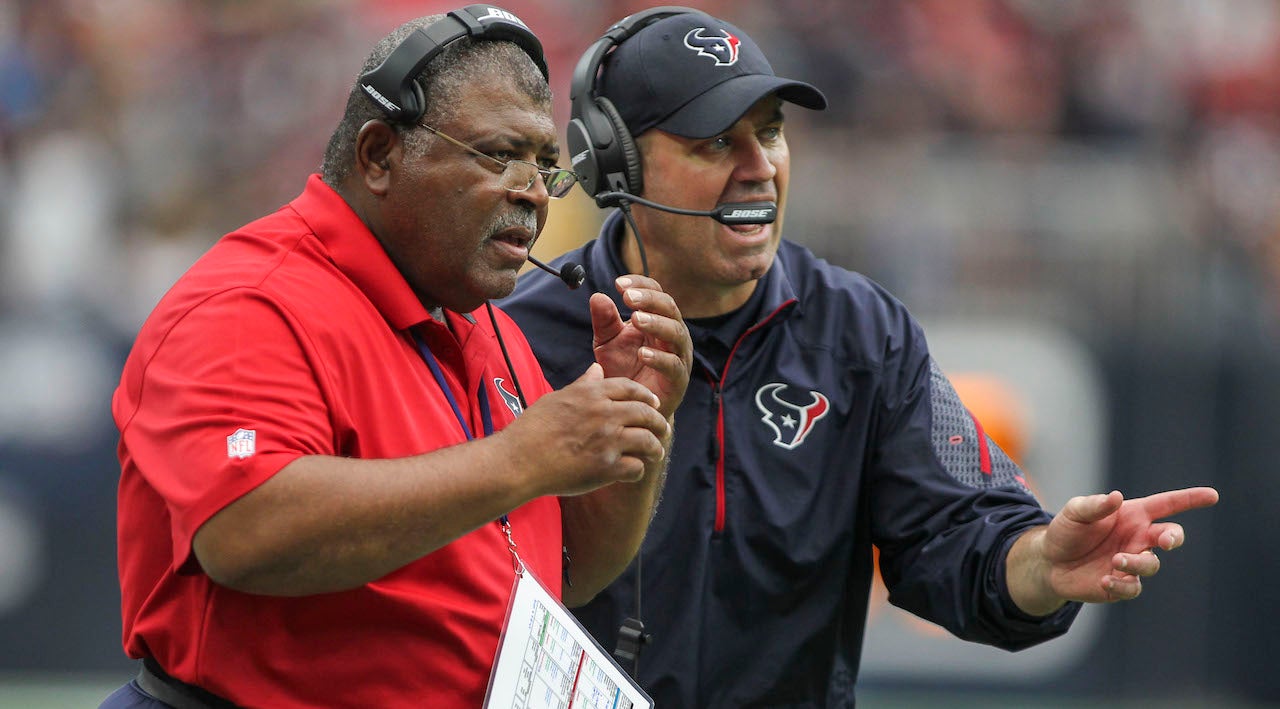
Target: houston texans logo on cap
column 723, row 48
column 791, row 423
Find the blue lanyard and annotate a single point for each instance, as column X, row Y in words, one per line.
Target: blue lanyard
column 486, row 418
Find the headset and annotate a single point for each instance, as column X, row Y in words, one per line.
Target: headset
column 392, row 85
column 395, row 78
column 603, row 152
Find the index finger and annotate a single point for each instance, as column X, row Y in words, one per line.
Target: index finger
column 1172, row 502
column 644, row 294
column 635, row 280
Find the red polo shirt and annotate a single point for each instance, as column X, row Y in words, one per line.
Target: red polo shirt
column 291, row 337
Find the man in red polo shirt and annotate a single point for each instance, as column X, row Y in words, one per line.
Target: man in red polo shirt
column 328, row 470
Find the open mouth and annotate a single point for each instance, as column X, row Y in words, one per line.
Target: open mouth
column 517, row 238
column 747, row 229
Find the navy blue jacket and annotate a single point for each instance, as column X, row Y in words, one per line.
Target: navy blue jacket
column 828, row 430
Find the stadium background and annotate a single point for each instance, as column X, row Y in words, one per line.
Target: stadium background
column 1080, row 200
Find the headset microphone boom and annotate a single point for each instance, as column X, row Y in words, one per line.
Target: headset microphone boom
column 573, row 274
column 727, row 213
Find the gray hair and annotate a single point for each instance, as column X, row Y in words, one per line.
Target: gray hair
column 461, row 63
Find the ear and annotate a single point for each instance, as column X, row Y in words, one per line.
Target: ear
column 377, row 148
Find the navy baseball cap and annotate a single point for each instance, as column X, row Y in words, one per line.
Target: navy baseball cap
column 694, row 76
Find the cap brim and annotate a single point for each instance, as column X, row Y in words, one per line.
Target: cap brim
column 715, row 110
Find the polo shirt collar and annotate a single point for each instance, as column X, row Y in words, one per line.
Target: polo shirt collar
column 358, row 254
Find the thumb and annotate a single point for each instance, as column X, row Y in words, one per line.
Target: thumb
column 1091, row 508
column 606, row 322
column 594, row 373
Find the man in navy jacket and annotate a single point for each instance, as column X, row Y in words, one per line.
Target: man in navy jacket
column 816, row 424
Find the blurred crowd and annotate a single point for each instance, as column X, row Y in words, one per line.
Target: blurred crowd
column 1112, row 165
column 1020, row 145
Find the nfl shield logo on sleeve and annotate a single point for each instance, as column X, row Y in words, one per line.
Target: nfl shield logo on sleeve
column 241, row 444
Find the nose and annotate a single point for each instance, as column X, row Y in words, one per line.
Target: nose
column 753, row 164
column 535, row 194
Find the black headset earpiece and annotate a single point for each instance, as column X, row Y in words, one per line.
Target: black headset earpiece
column 627, row 152
column 392, row 85
column 601, row 148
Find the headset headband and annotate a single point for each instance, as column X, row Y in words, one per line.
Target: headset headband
column 601, row 148
column 582, row 84
column 392, row 86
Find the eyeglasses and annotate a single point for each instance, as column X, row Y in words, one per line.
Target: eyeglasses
column 518, row 175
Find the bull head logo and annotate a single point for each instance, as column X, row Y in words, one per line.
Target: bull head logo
column 723, row 47
column 790, row 422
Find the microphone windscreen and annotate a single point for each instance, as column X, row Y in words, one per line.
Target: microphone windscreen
column 746, row 213
column 573, row 274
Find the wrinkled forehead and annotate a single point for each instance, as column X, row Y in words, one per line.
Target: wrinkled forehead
column 494, row 95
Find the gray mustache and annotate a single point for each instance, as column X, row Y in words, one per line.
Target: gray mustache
column 518, row 217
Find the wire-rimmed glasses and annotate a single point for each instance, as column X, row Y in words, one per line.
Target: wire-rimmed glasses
column 518, row 175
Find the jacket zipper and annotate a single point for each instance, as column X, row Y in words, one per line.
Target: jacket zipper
column 717, row 388
column 715, row 393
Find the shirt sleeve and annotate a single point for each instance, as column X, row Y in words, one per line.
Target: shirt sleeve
column 230, row 396
column 947, row 505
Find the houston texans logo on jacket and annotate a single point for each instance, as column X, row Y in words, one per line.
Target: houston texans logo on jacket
column 791, row 423
column 722, row 48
